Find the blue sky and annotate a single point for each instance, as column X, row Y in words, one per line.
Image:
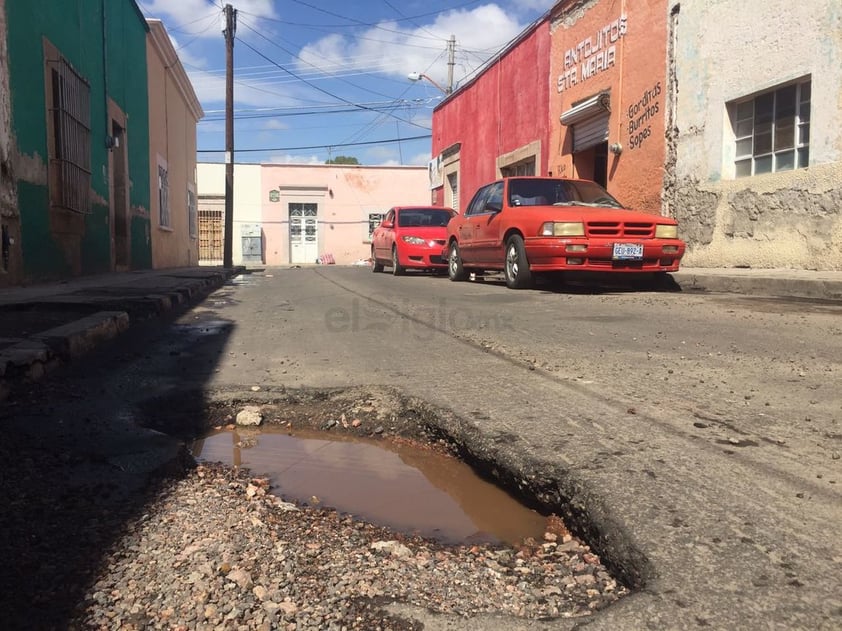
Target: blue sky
column 322, row 78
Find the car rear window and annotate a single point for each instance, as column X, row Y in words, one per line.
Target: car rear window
column 423, row 217
column 538, row 192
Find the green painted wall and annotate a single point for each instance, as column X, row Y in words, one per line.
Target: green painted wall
column 78, row 29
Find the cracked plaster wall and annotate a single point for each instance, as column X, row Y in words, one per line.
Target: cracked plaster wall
column 728, row 49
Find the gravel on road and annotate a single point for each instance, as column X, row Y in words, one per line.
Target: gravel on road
column 214, row 548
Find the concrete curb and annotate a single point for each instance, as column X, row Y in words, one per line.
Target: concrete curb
column 816, row 288
column 30, row 358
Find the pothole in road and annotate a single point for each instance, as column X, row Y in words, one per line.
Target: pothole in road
column 402, row 486
column 379, row 417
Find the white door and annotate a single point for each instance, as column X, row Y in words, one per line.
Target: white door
column 303, row 233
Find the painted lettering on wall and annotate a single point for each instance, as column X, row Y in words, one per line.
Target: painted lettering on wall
column 592, row 55
column 641, row 114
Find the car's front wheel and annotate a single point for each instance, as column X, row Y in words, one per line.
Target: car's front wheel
column 375, row 265
column 397, row 268
column 455, row 269
column 516, row 267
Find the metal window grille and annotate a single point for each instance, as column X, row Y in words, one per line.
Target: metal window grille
column 70, row 151
column 453, row 184
column 772, row 131
column 163, row 196
column 210, row 235
column 374, row 220
column 525, row 167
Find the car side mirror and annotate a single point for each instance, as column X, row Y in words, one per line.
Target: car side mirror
column 388, row 224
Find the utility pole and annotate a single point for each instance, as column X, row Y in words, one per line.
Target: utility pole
column 451, row 61
column 228, row 238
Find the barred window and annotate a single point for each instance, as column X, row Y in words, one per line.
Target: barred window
column 453, row 186
column 68, row 103
column 163, row 196
column 374, row 220
column 772, row 130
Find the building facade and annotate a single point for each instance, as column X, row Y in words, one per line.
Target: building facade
column 174, row 111
column 607, row 115
column 496, row 124
column 79, row 148
column 247, row 212
column 755, row 144
column 303, row 214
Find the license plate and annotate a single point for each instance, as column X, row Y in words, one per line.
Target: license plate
column 628, row 251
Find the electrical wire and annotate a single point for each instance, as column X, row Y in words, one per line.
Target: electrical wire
column 315, row 87
column 330, row 146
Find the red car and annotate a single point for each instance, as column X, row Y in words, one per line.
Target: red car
column 528, row 225
column 411, row 237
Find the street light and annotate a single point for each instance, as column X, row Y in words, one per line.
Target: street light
column 417, row 76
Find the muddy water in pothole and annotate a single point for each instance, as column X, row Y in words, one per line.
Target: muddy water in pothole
column 405, row 488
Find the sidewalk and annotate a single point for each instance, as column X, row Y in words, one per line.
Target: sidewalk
column 778, row 283
column 45, row 325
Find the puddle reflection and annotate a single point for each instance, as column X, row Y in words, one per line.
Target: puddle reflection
column 404, row 488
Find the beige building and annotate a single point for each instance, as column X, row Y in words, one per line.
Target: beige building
column 174, row 111
column 247, row 211
column 754, row 160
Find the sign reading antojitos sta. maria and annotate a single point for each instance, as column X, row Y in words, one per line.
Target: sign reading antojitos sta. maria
column 592, row 55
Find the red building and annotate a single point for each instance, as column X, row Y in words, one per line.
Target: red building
column 496, row 124
column 580, row 93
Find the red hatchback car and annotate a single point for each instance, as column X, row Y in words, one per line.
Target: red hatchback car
column 528, row 225
column 411, row 237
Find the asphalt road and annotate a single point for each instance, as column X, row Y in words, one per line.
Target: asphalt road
column 693, row 439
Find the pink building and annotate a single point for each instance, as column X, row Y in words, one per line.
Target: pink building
column 298, row 214
column 309, row 211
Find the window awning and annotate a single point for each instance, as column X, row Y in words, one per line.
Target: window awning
column 595, row 105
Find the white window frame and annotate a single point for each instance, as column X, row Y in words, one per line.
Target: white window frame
column 164, row 219
column 776, row 140
column 192, row 211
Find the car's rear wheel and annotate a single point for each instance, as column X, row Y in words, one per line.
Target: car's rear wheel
column 397, row 268
column 516, row 267
column 376, row 266
column 455, row 269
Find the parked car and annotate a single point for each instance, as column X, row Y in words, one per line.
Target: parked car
column 411, row 237
column 527, row 225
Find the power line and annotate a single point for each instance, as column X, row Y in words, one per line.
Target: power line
column 354, row 110
column 309, row 64
column 315, row 87
column 333, row 146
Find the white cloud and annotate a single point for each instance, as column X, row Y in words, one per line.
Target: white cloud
column 540, row 5
column 397, row 51
column 202, row 18
column 210, row 88
column 291, row 159
column 419, row 160
column 381, row 154
column 275, row 124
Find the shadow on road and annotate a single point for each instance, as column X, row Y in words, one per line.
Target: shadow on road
column 75, row 458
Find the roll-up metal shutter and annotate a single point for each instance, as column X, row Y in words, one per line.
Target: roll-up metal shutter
column 591, row 132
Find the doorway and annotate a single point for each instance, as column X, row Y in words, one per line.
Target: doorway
column 120, row 224
column 303, row 233
column 592, row 164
